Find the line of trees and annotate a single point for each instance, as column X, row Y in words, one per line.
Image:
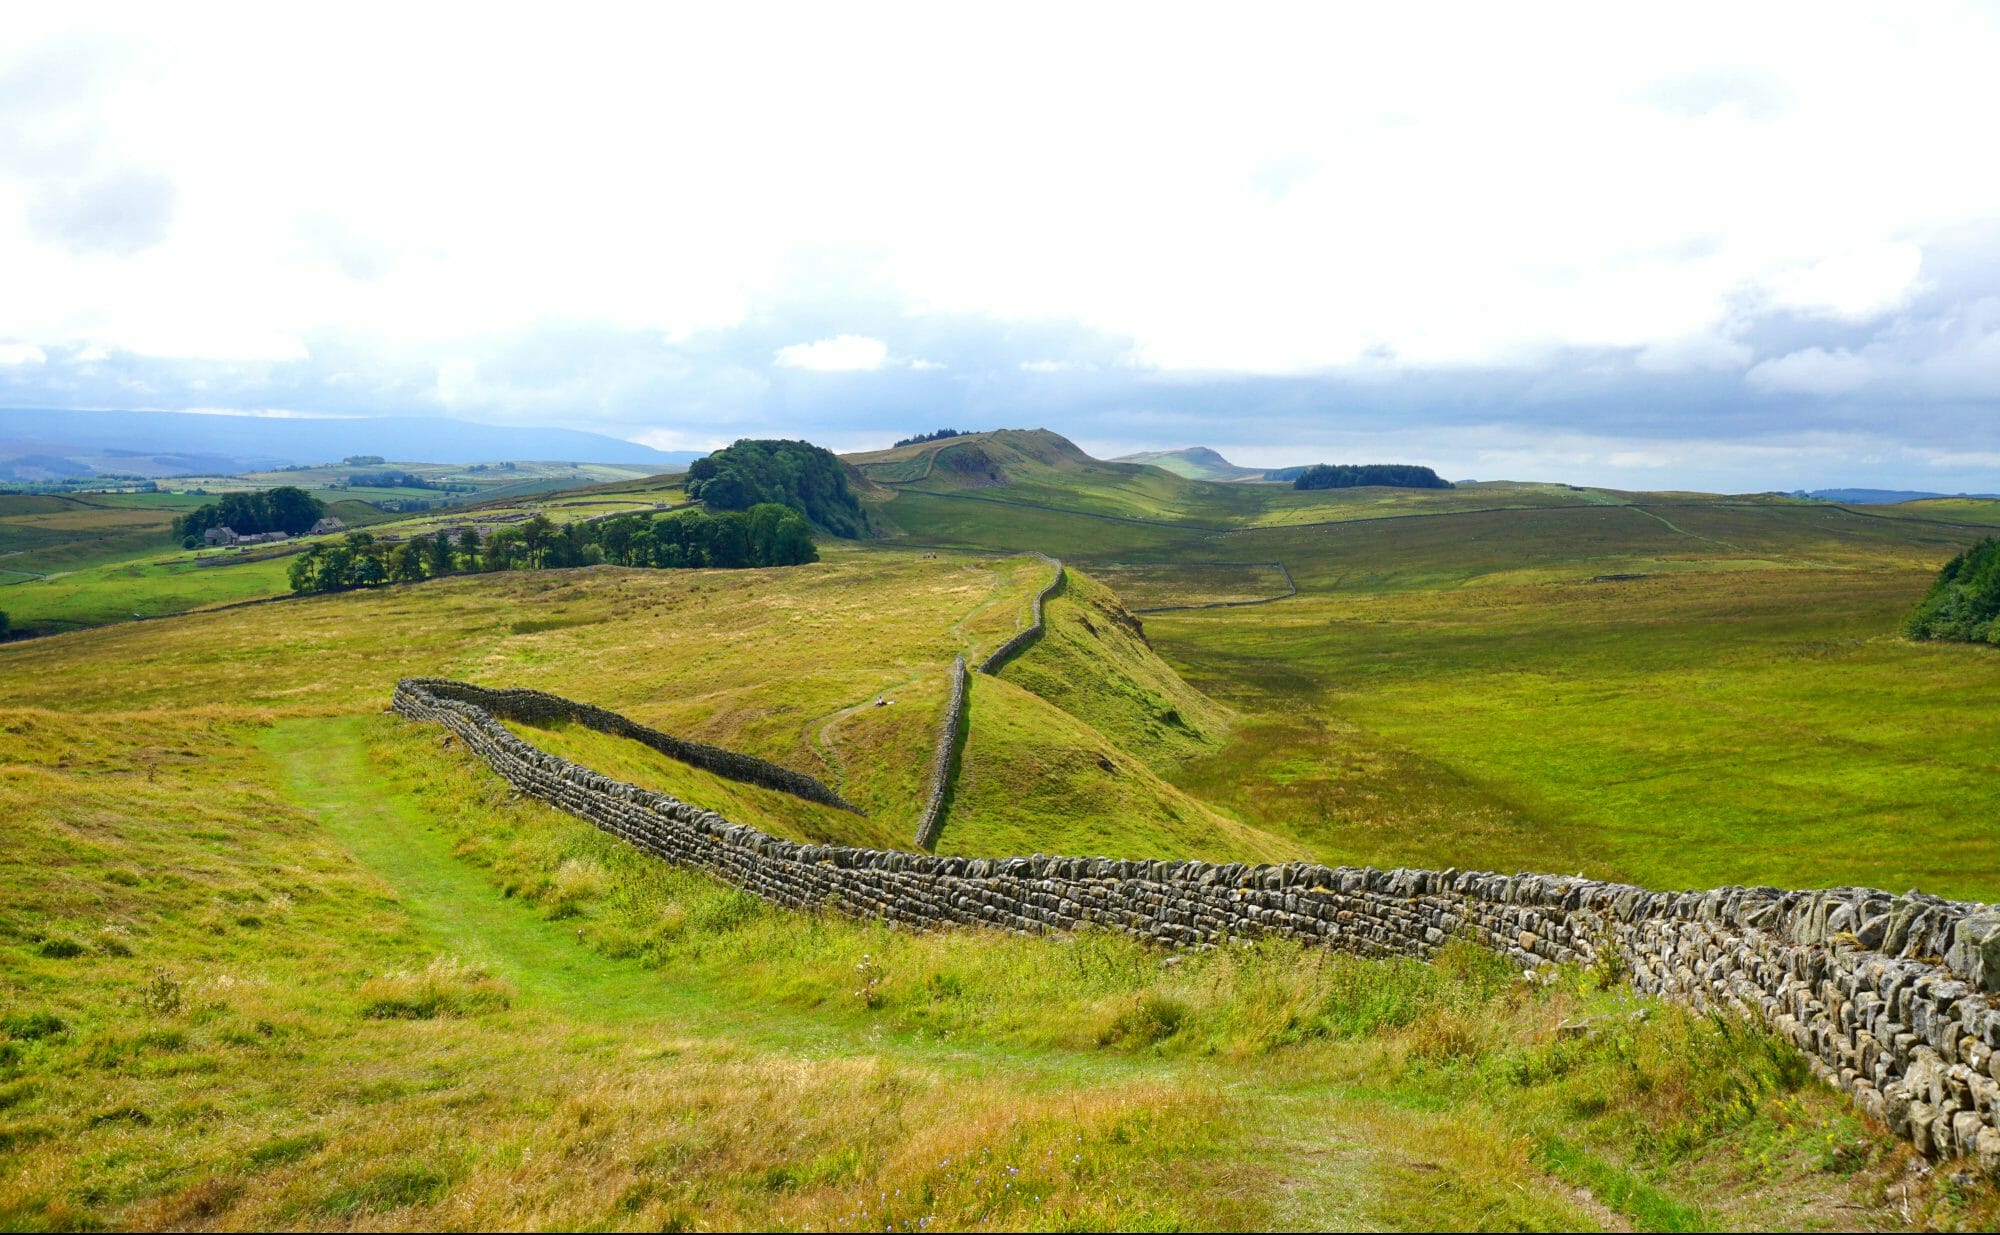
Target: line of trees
column 1964, row 602
column 765, row 535
column 937, row 436
column 1355, row 475
column 286, row 508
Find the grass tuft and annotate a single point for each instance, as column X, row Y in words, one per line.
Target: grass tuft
column 447, row 987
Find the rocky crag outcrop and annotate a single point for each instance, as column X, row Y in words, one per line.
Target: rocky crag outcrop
column 1890, row 997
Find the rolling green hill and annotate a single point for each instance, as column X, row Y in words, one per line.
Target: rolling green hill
column 271, row 958
column 1194, row 463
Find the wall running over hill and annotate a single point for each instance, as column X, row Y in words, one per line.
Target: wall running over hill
column 944, row 763
column 1015, row 646
column 533, row 707
column 1887, row 995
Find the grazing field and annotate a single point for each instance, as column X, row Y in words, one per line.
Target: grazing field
column 1677, row 689
column 294, row 965
column 1189, row 585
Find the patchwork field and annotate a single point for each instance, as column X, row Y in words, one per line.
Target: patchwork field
column 109, row 557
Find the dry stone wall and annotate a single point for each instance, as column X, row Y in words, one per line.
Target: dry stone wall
column 1888, row 996
column 1019, row 643
column 944, row 761
column 537, row 708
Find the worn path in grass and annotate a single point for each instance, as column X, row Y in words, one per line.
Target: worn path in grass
column 1335, row 1159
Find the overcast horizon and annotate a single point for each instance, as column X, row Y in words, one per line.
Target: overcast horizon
column 1699, row 249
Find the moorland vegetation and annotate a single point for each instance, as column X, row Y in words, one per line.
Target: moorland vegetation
column 1964, row 603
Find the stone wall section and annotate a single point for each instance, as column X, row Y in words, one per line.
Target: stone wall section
column 537, row 708
column 1019, row 643
column 1888, row 996
column 944, row 762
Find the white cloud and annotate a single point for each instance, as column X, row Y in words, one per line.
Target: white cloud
column 848, row 353
column 1812, row 370
column 1853, row 285
column 1693, row 353
column 1348, row 190
column 21, row 354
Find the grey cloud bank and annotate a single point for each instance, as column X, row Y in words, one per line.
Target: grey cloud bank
column 1909, row 399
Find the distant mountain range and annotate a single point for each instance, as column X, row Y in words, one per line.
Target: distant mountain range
column 1879, row 497
column 42, row 444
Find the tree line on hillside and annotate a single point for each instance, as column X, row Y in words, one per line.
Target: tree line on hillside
column 937, row 436
column 1355, row 475
column 808, row 478
column 1964, row 602
column 396, row 478
column 286, row 508
column 767, row 534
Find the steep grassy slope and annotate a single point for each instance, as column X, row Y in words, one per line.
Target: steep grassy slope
column 779, row 814
column 1093, row 662
column 1035, row 779
column 293, row 971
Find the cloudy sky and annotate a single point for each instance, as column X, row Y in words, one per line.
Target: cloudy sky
column 1741, row 247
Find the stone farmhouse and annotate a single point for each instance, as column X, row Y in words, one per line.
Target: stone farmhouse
column 216, row 536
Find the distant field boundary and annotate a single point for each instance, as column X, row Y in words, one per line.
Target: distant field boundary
column 1065, row 510
column 1886, row 996
column 1291, row 590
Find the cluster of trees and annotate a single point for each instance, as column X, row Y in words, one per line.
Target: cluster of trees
column 286, row 508
column 399, row 479
column 805, row 477
column 1354, row 475
column 1964, row 602
column 938, row 436
column 765, row 535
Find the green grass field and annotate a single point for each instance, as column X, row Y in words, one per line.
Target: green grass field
column 1454, row 686
column 293, row 965
column 269, row 957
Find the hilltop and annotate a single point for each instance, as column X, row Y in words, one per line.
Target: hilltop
column 1194, row 463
